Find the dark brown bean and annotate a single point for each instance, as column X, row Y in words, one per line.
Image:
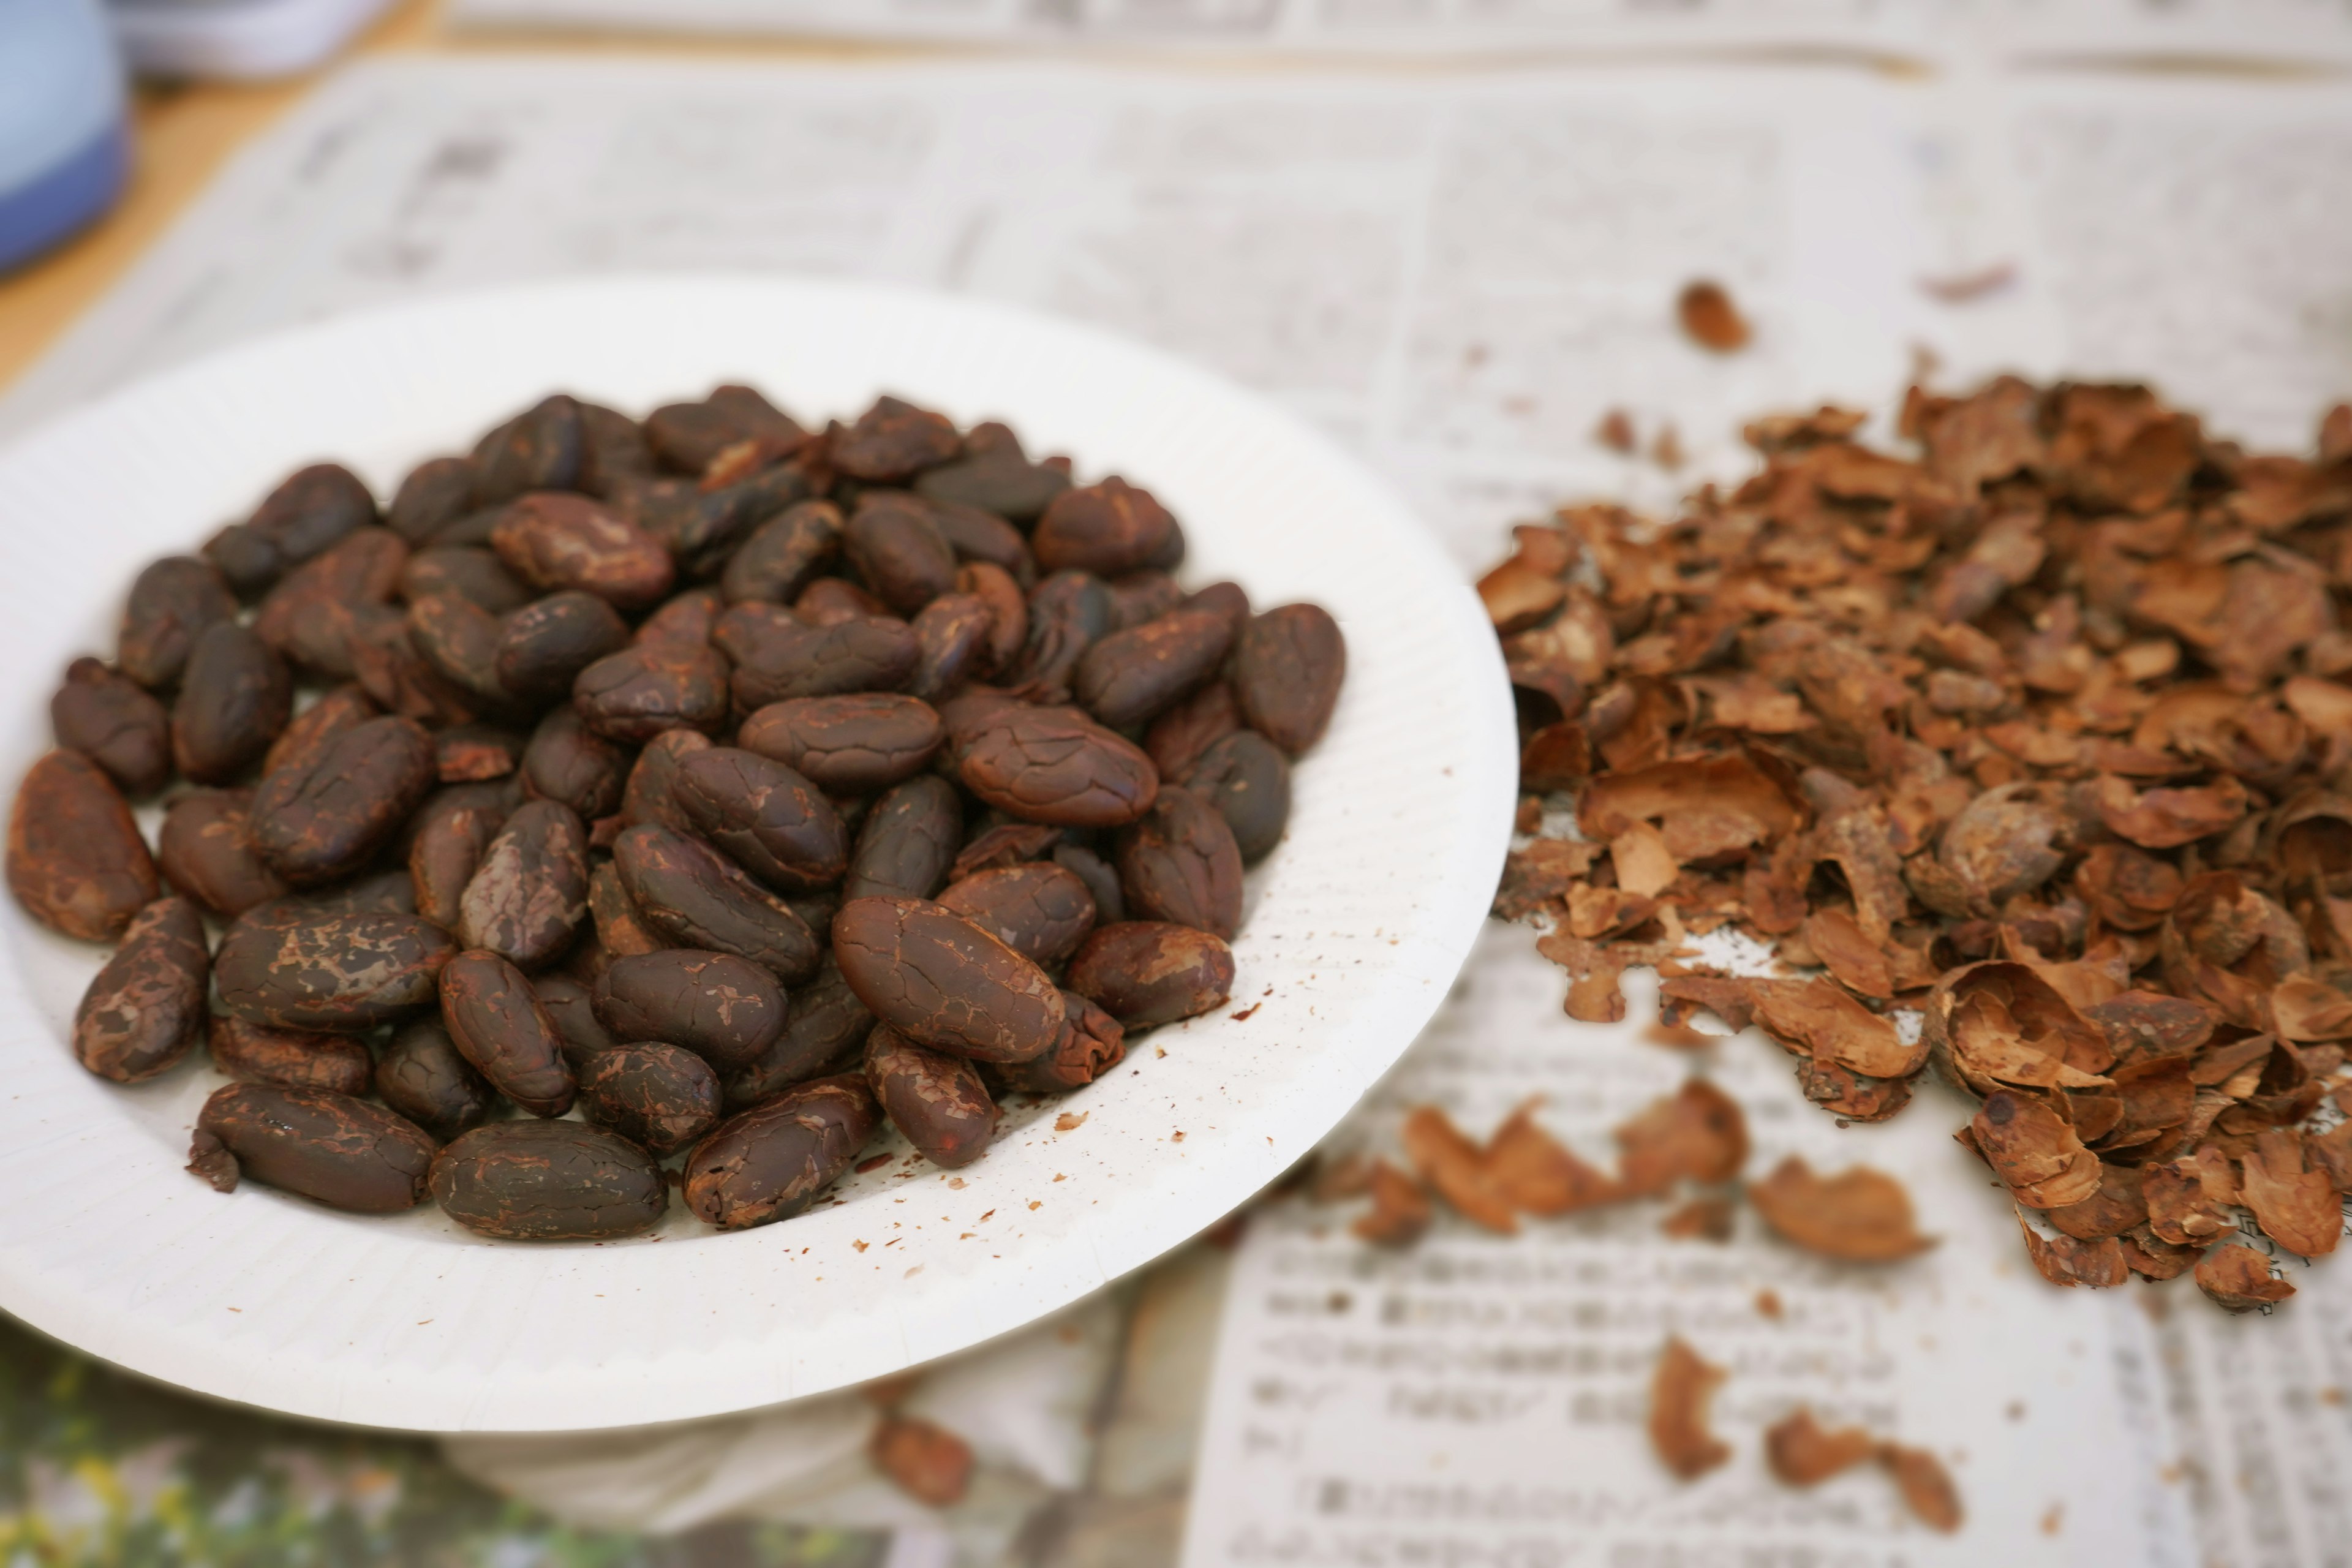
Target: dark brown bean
column 725, row 1009
column 1090, row 1045
column 394, row 675
column 778, row 657
column 322, row 821
column 908, row 842
column 145, row 1008
column 234, row 697
column 171, row 604
column 571, row 1002
column 1100, row 878
column 315, row 970
column 853, row 744
column 773, row 1161
column 451, row 839
column 621, row 927
column 1143, row 597
column 824, row 1028
column 327, row 1147
column 292, row 1058
column 1180, row 863
column 647, row 691
column 549, row 1181
column 651, row 795
column 1005, row 844
column 567, row 760
column 829, row 601
column 698, row 527
column 468, row 572
column 936, row 1100
column 497, row 1022
column 897, row 550
column 459, row 639
column 312, row 616
column 613, row 449
column 943, row 982
column 435, row 493
column 976, row 534
column 1047, row 765
column 1106, row 529
column 477, row 754
column 686, row 891
column 952, row 636
column 545, row 644
column 685, row 621
column 1129, row 676
column 113, row 720
column 1287, row 671
column 893, row 441
column 75, row 860
column 1179, row 736
column 1004, row 483
column 1039, row 910
column 527, row 900
column 310, row 510
column 1008, row 616
column 1068, row 613
column 688, row 435
column 421, row 1076
column 658, row 1097
column 207, row 853
column 1145, row 972
column 1247, row 777
column 1227, row 599
column 555, row 541
column 382, row 893
column 541, row 448
column 337, row 711
column 763, row 815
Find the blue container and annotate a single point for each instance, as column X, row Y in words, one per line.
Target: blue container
column 65, row 149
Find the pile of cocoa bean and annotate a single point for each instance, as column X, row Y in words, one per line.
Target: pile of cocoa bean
column 732, row 784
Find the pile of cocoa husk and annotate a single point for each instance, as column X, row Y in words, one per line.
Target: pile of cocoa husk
column 2042, row 727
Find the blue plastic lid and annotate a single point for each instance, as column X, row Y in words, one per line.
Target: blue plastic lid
column 64, row 146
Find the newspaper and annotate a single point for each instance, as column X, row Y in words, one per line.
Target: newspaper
column 1460, row 277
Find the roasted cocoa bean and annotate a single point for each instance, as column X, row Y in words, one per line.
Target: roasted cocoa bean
column 1068, row 613
column 381, row 893
column 1129, row 676
column 435, row 494
column 897, row 550
column 422, row 1076
column 544, row 646
column 541, row 448
column 1003, row 844
column 1008, row 617
column 319, row 822
column 549, row 1181
column 292, row 1058
column 936, row 1100
column 725, row 1009
column 468, row 572
column 773, row 1161
column 113, row 720
column 847, row 745
column 329, row 1148
column 613, row 449
column 764, row 816
column 171, row 603
column 651, row 794
column 1179, row 736
column 1180, row 863
column 460, row 640
column 1045, row 764
column 571, row 1002
column 778, row 657
column 207, row 853
column 647, row 691
column 526, row 901
column 1004, row 483
column 1105, row 529
column 75, row 860
column 396, row 677
column 829, row 601
column 658, row 1097
column 299, row 969
column 1146, row 972
column 1091, row 1043
column 554, row 541
column 688, row 435
column 336, row 713
column 453, row 834
column 908, row 841
column 684, row 621
column 943, row 982
column 1286, row 670
column 824, row 1028
column 310, row 510
column 975, row 534
column 1227, row 599
column 1247, row 779
column 1039, row 910
column 687, row 892
column 621, row 927
column 312, row 617
column 568, row 762
column 1143, row 597
column 477, row 754
column 497, row 1022
column 892, row 442
column 145, row 1008
column 1100, row 877
column 234, row 697
column 952, row 636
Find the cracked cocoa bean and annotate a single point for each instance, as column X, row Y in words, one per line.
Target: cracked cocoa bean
column 1129, row 676
column 329, row 1148
column 307, row 969
column 497, row 1022
column 651, row 794
column 951, row 639
column 336, row 713
column 856, row 744
column 1039, row 910
column 1179, row 864
column 319, row 821
column 544, row 646
column 75, row 860
column 908, row 841
column 1178, row 736
column 726, row 1010
column 658, row 1097
column 1091, row 1043
column 764, row 816
column 458, row 640
column 893, row 441
column 936, row 1100
column 1247, row 777
column 1106, row 529
column 554, row 541
column 527, row 900
column 1147, row 971
column 1287, row 669
column 773, row 1161
column 1008, row 619
column 779, row 557
column 549, row 1181
column 779, row 655
column 649, row 689
column 568, row 762
column 824, row 1028
column 422, row 1076
column 1045, row 764
column 943, row 982
column 113, row 720
column 688, row 435
column 1066, row 615
column 145, row 1008
column 313, row 614
column 451, row 839
column 1100, row 877
column 206, row 851
column 291, row 1058
column 173, row 601
column 236, row 695
column 621, row 928
column 689, row 893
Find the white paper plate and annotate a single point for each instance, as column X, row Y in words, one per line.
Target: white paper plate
column 1357, row 924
